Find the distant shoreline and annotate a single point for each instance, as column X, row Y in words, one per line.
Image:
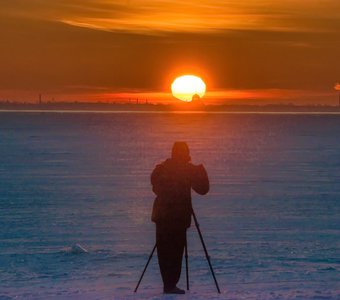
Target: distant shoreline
column 171, row 112
column 163, row 108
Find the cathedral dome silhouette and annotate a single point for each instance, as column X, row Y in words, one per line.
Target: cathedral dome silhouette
column 195, row 97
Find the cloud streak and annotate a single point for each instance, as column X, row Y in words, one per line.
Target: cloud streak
column 148, row 16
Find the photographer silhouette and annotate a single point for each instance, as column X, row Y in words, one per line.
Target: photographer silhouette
column 172, row 181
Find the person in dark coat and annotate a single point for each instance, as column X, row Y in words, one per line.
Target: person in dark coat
column 172, row 181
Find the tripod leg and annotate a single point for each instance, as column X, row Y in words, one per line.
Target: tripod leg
column 186, row 262
column 206, row 251
column 146, row 266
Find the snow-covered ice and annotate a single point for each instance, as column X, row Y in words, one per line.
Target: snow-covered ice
column 271, row 221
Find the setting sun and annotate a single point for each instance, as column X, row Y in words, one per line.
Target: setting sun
column 186, row 86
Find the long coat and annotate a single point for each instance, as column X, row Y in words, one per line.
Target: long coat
column 172, row 182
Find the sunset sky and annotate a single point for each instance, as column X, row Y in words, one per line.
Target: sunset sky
column 262, row 51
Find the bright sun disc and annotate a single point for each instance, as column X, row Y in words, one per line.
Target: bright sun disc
column 186, row 86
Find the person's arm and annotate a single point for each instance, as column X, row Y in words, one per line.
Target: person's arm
column 156, row 178
column 199, row 179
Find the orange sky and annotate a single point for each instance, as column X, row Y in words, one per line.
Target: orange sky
column 261, row 51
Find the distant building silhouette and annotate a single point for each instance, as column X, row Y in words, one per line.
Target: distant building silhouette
column 195, row 97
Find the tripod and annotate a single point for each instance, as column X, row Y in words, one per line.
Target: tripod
column 186, row 258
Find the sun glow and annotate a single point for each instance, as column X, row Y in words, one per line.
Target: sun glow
column 186, row 86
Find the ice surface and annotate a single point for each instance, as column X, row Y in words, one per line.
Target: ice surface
column 271, row 221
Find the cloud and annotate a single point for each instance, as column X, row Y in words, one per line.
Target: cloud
column 145, row 16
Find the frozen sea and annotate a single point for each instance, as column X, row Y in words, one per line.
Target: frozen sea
column 271, row 221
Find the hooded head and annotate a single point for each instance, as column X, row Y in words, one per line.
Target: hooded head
column 180, row 152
